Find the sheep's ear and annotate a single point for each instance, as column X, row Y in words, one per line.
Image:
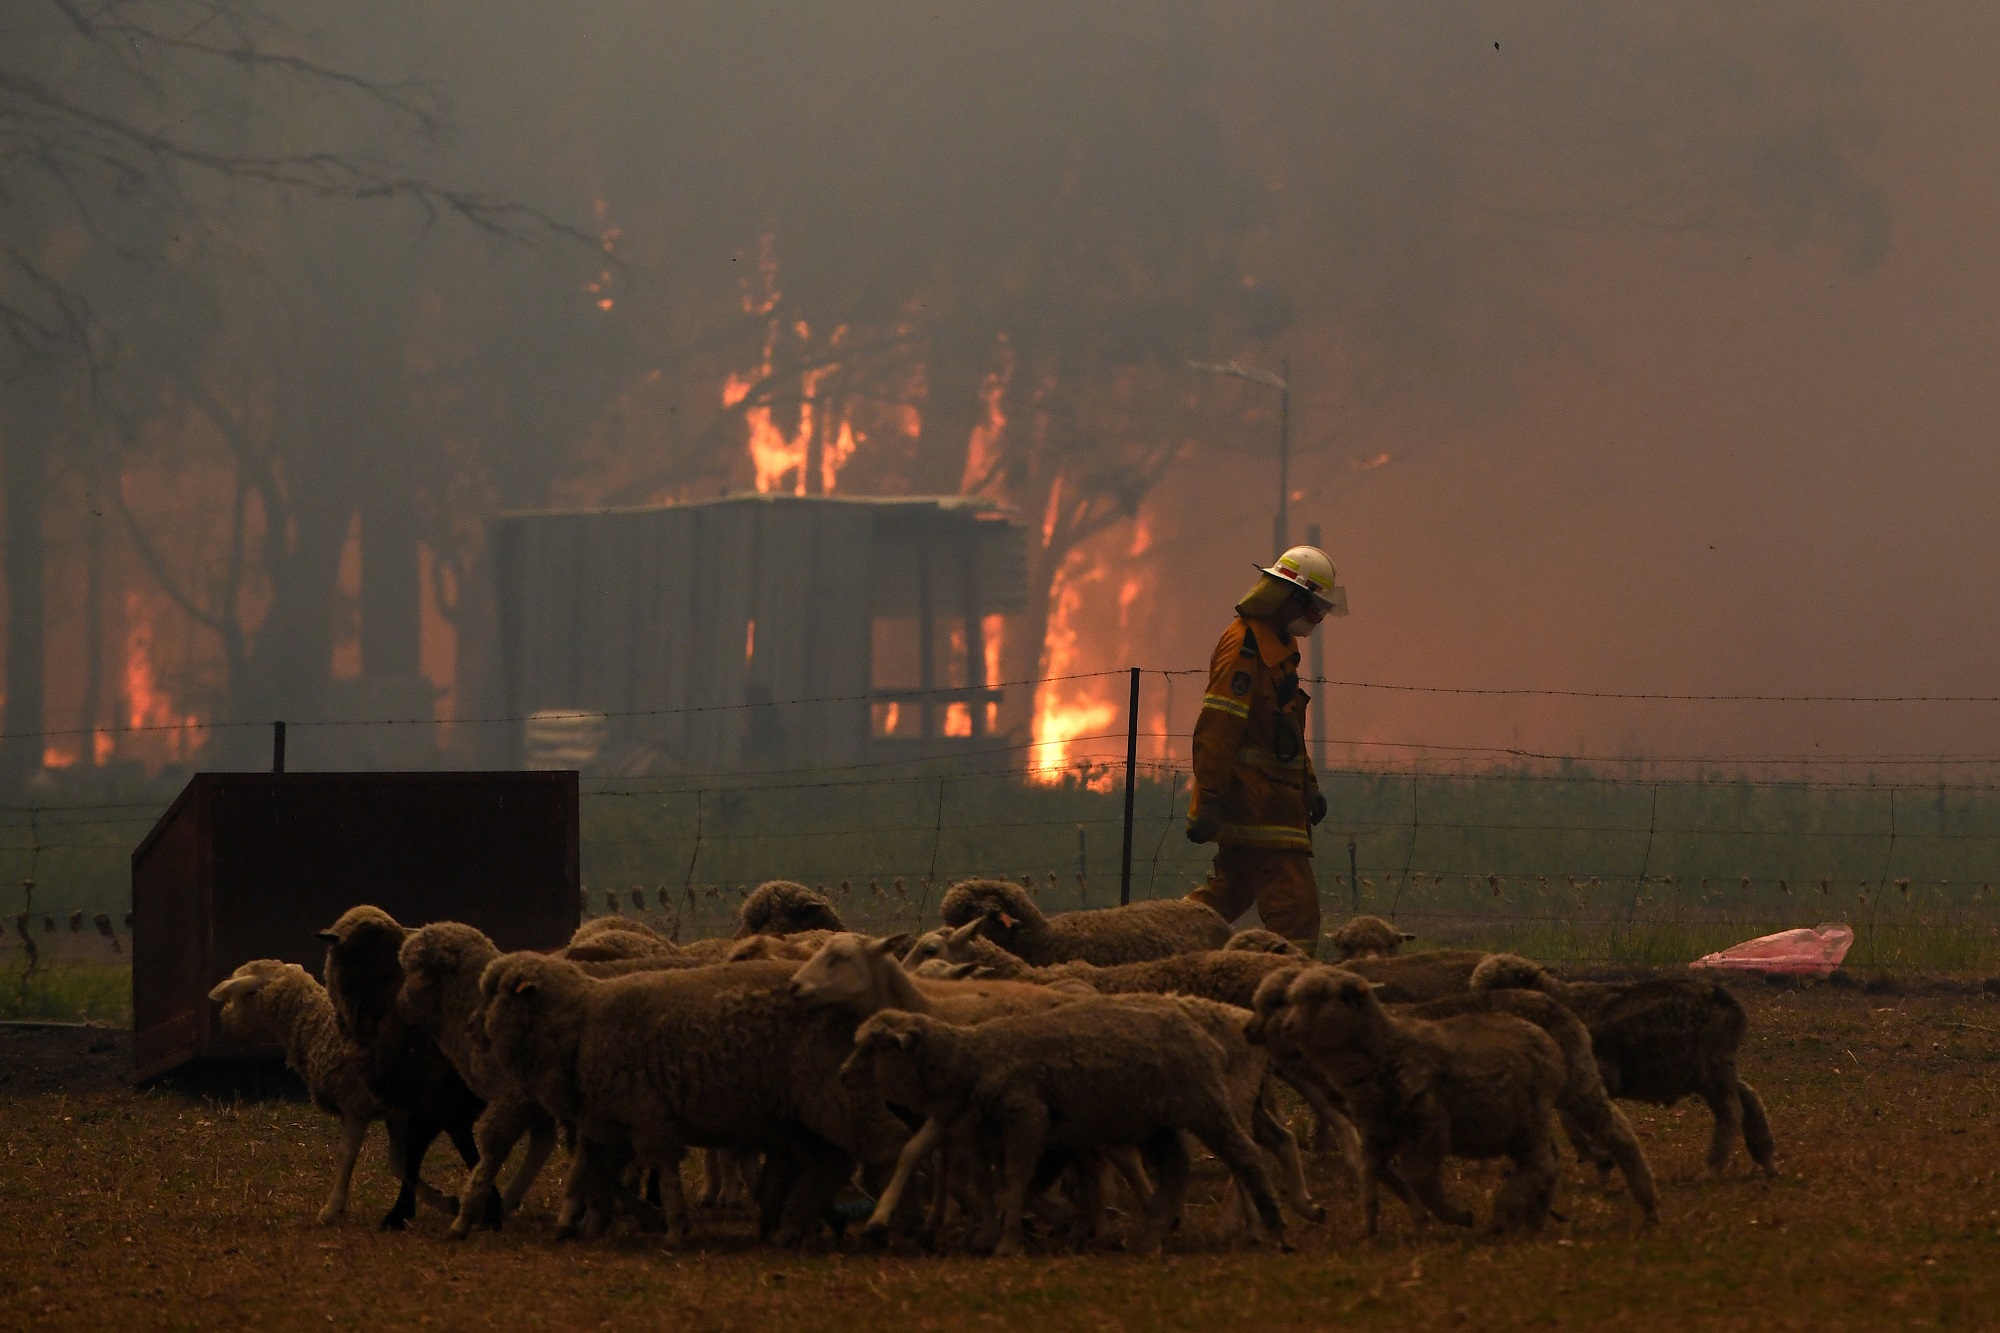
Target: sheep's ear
column 1355, row 994
column 330, row 935
column 907, row 1038
column 1408, row 936
column 237, row 986
column 959, row 971
column 886, row 946
column 1006, row 920
column 525, row 988
column 965, row 932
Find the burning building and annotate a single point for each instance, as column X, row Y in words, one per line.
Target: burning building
column 759, row 632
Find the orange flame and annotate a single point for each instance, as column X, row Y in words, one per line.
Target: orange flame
column 1067, row 711
column 148, row 705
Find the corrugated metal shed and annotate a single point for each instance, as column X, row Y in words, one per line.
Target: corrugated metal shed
column 738, row 633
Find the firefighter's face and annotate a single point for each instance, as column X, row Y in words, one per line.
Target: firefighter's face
column 1305, row 616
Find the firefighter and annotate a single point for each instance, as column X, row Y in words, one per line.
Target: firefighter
column 1255, row 794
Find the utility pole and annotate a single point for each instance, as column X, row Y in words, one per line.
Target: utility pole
column 1316, row 668
column 1283, row 533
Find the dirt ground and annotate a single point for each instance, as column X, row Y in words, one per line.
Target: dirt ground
column 170, row 1208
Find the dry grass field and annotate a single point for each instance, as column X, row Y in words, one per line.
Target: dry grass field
column 162, row 1208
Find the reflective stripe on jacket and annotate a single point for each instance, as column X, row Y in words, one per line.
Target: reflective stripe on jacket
column 1251, row 771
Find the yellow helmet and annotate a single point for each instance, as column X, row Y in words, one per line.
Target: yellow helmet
column 1309, row 568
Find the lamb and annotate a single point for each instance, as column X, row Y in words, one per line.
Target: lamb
column 860, row 975
column 1094, row 1074
column 441, row 965
column 1598, row 1129
column 1264, row 941
column 406, row 1070
column 1477, row 1085
column 1660, row 1041
column 1226, row 976
column 782, row 907
column 1009, row 918
column 648, row 1065
column 1367, row 937
column 1412, row 978
column 266, row 1000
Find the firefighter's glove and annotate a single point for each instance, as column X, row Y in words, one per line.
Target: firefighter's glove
column 1318, row 807
column 1203, row 828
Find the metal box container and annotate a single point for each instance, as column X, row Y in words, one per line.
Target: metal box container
column 254, row 865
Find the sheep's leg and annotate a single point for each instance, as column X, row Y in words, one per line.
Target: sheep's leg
column 409, row 1139
column 711, row 1178
column 922, row 1144
column 1167, row 1159
column 1588, row 1149
column 1131, row 1169
column 541, row 1142
column 823, row 1169
column 1757, row 1129
column 1523, row 1200
column 1272, row 1135
column 1332, row 1127
column 500, row 1127
column 576, row 1189
column 1226, row 1139
column 353, row 1133
column 1423, row 1164
column 1602, row 1125
column 1023, row 1133
column 1726, row 1104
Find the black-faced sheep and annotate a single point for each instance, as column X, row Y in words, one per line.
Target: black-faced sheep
column 1009, row 918
column 267, row 1000
column 406, row 1070
column 782, row 907
column 648, row 1065
column 1367, row 937
column 442, row 964
column 1659, row 1041
column 1477, row 1085
column 1094, row 1074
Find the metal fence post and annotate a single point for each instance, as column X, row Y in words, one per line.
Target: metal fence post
column 1131, row 790
column 277, row 747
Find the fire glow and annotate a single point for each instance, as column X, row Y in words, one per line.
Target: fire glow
column 1067, row 712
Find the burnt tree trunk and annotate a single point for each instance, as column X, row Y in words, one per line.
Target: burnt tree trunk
column 25, row 440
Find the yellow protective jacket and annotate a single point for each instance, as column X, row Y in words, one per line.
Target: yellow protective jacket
column 1251, row 770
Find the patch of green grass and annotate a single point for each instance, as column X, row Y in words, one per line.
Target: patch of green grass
column 67, row 992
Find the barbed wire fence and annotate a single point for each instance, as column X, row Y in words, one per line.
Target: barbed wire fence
column 1555, row 854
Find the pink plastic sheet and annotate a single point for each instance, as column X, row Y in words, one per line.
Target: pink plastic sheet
column 1798, row 953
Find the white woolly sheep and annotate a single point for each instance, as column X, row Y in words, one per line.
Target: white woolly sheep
column 1599, row 1130
column 1476, row 1085
column 1257, row 940
column 266, row 1000
column 1093, row 1074
column 648, row 1065
column 1367, row 937
column 1010, row 918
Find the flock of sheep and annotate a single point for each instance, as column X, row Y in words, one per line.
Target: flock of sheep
column 1009, row 1064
